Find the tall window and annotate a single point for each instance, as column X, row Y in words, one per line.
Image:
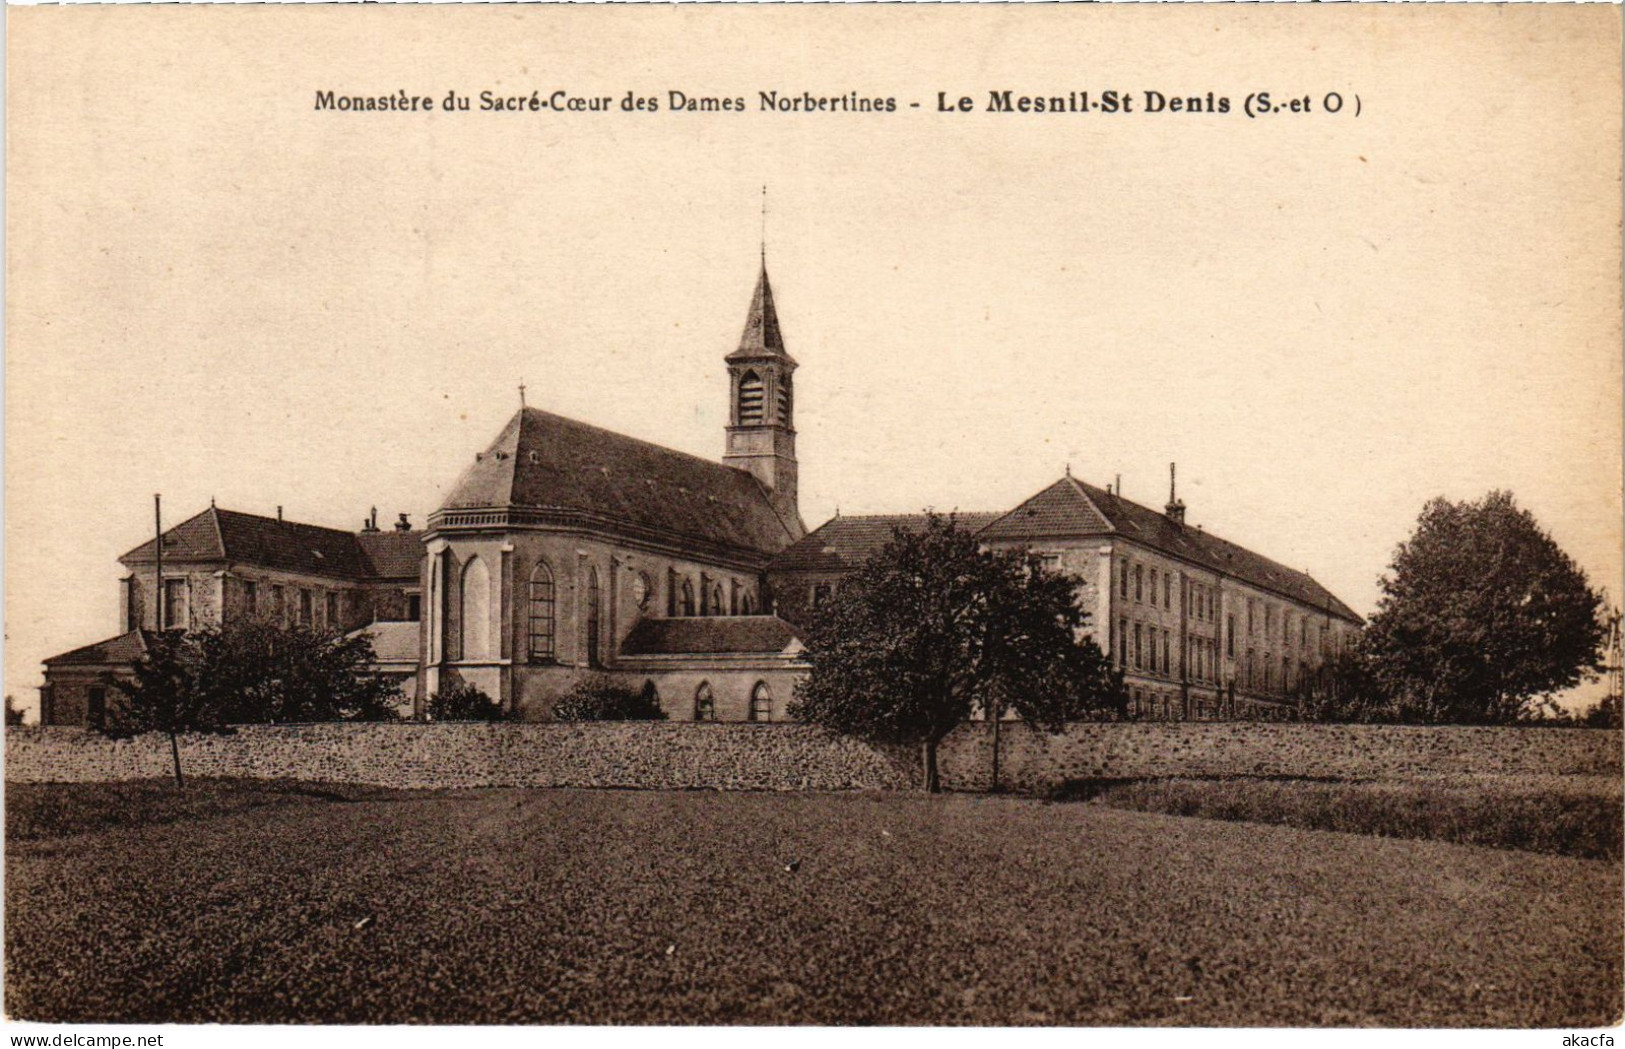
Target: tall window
column 279, row 605
column 761, row 702
column 1122, row 643
column 174, row 604
column 1139, row 656
column 1167, row 590
column 1230, row 635
column 1139, row 584
column 304, row 606
column 1122, row 583
column 717, row 607
column 1153, row 586
column 476, row 610
column 541, row 613
column 688, row 598
column 1166, row 663
column 332, row 611
column 592, row 616
column 750, row 399
column 705, row 707
column 251, row 599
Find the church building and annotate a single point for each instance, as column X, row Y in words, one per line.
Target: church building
column 566, row 550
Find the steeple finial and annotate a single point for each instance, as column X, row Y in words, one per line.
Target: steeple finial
column 521, row 393
column 764, row 225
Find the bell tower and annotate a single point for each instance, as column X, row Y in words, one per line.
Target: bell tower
column 761, row 410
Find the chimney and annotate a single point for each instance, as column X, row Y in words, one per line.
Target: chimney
column 404, row 524
column 370, row 522
column 279, row 512
column 1118, row 490
column 1175, row 508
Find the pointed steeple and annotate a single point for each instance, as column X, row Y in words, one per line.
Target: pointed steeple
column 762, row 337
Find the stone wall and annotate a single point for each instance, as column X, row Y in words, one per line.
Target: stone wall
column 658, row 755
column 724, row 756
column 1032, row 760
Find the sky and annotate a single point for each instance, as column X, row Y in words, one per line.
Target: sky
column 216, row 291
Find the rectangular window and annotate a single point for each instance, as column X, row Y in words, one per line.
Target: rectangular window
column 304, row 607
column 332, row 611
column 279, row 605
column 1139, row 583
column 1153, row 586
column 1122, row 643
column 1167, row 591
column 1230, row 636
column 414, row 607
column 1122, row 588
column 1167, row 664
column 251, row 599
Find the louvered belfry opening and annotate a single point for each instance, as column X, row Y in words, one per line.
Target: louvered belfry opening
column 783, row 398
column 750, row 399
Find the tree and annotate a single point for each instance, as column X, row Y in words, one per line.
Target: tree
column 597, row 698
column 271, row 674
column 464, row 702
column 1482, row 618
column 14, row 714
column 933, row 629
column 171, row 692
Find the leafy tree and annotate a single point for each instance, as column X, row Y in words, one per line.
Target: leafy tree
column 171, row 692
column 597, row 698
column 270, row 674
column 1604, row 715
column 14, row 714
column 1342, row 689
column 464, row 702
column 1482, row 618
column 933, row 629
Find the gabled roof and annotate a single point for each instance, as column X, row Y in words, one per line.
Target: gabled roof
column 1071, row 508
column 710, row 635
column 761, row 337
column 843, row 543
column 396, row 554
column 547, row 462
column 289, row 546
column 125, row 648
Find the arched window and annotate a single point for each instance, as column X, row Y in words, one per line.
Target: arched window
column 717, row 607
column 651, row 695
column 761, row 702
column 705, row 707
column 745, row 608
column 592, row 616
column 541, row 613
column 688, row 598
column 476, row 610
column 750, row 399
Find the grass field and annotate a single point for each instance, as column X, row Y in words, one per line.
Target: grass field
column 253, row 902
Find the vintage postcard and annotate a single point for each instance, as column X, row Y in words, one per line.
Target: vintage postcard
column 1037, row 515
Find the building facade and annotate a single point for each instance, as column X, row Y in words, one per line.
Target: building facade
column 566, row 551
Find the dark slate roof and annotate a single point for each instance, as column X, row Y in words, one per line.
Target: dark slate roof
column 393, row 641
column 125, row 648
column 545, row 461
column 1071, row 508
column 391, row 555
column 761, row 337
column 226, row 535
column 843, row 543
column 709, row 635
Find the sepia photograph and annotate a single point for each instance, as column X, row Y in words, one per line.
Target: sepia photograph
column 1098, row 516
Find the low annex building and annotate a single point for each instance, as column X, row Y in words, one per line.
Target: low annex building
column 566, row 550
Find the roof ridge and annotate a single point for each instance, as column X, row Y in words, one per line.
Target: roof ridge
column 639, row 440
